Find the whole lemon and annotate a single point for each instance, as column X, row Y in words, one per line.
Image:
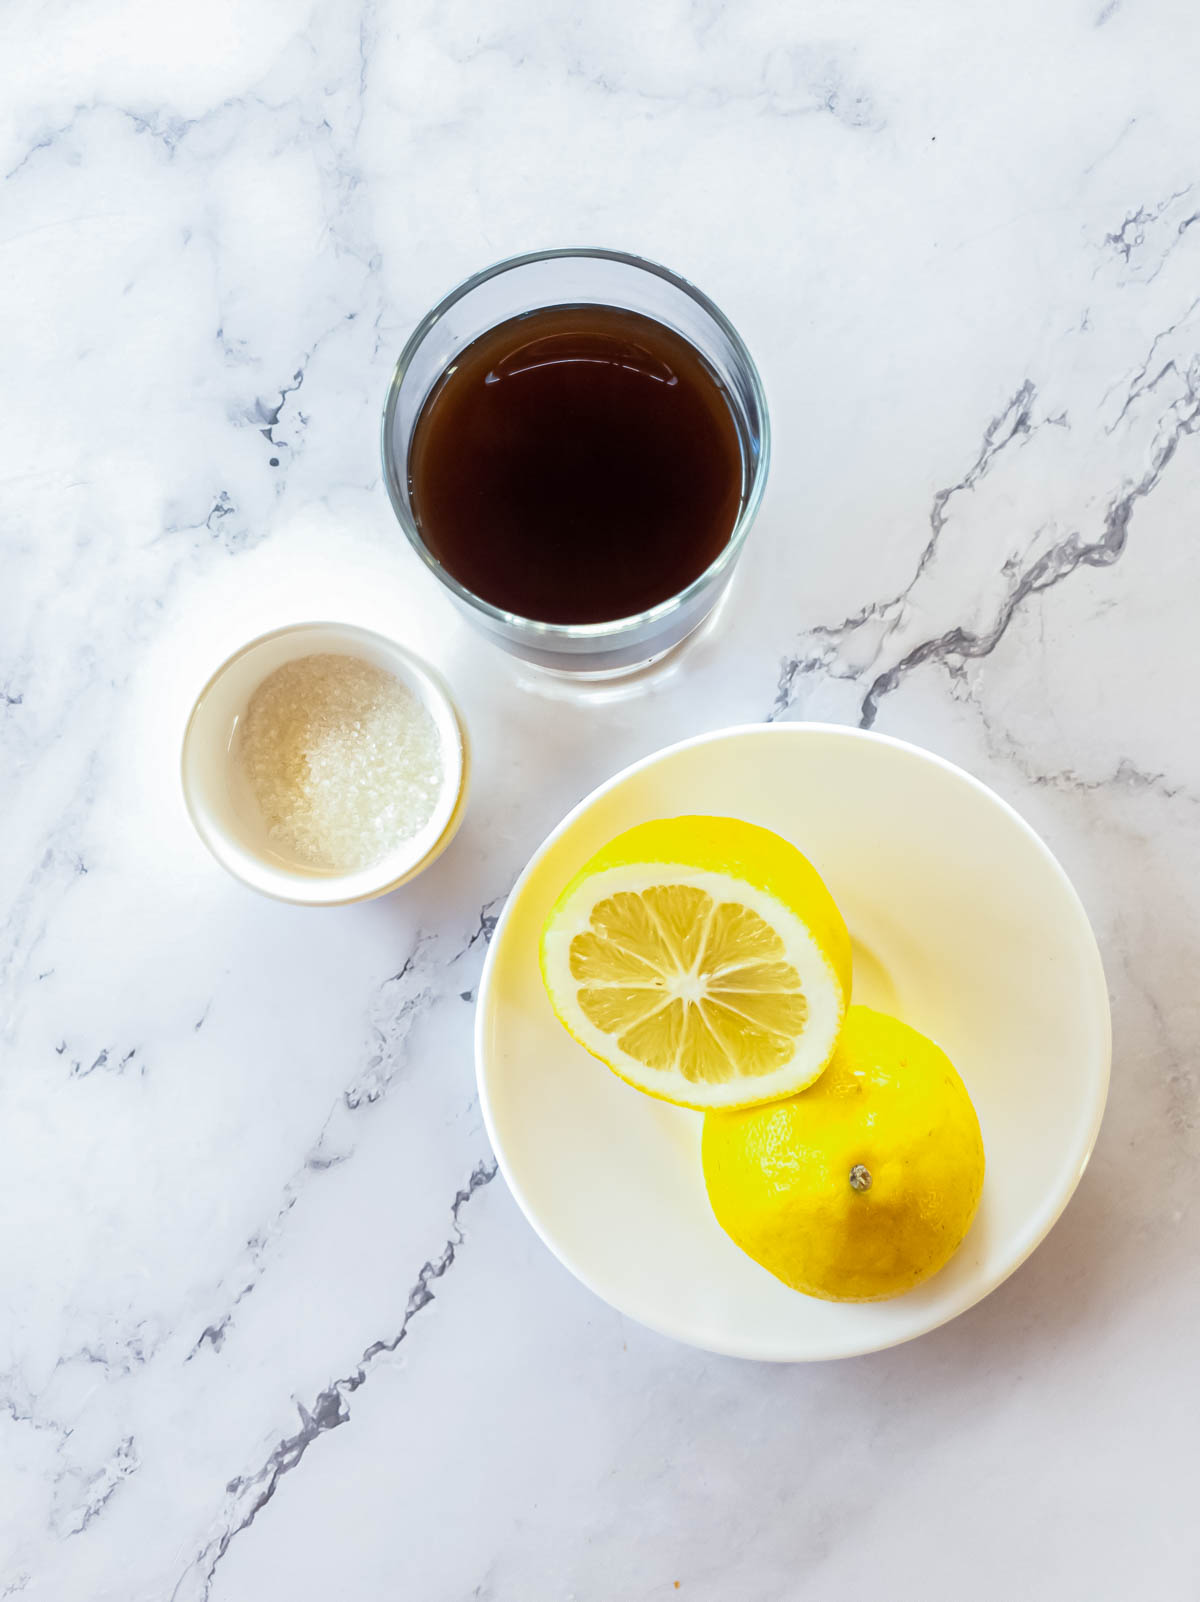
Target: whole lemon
column 861, row 1186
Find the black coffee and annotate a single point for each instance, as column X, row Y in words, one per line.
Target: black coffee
column 576, row 465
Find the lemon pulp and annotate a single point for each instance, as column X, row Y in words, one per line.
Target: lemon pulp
column 702, row 959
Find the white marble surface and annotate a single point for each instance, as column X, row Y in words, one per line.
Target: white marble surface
column 270, row 1328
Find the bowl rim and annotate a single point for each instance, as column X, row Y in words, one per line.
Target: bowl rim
column 1100, row 1079
column 434, row 692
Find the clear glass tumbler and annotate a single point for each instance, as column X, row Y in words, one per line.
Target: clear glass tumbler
column 572, row 278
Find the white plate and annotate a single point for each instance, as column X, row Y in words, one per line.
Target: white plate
column 964, row 925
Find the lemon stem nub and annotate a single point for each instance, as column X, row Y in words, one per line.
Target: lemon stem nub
column 860, row 1177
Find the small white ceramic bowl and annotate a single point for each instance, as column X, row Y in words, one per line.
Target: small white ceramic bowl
column 963, row 924
column 231, row 831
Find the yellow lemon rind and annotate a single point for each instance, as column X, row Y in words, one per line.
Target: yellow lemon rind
column 775, row 1177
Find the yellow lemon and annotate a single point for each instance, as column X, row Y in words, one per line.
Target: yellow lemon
column 703, row 960
column 863, row 1185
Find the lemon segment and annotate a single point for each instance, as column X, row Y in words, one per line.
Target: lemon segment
column 703, row 960
column 865, row 1184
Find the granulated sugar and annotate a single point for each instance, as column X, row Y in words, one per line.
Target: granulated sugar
column 342, row 759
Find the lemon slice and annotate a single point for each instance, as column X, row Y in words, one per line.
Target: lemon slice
column 703, row 960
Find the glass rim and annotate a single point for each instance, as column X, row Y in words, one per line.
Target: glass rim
column 617, row 627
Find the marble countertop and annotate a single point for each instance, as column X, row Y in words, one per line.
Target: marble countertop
column 272, row 1326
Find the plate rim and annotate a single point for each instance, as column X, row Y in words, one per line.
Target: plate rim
column 791, row 729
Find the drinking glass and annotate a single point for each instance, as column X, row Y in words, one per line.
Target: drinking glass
column 573, row 278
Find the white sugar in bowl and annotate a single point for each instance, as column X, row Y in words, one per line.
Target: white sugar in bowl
column 303, row 834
